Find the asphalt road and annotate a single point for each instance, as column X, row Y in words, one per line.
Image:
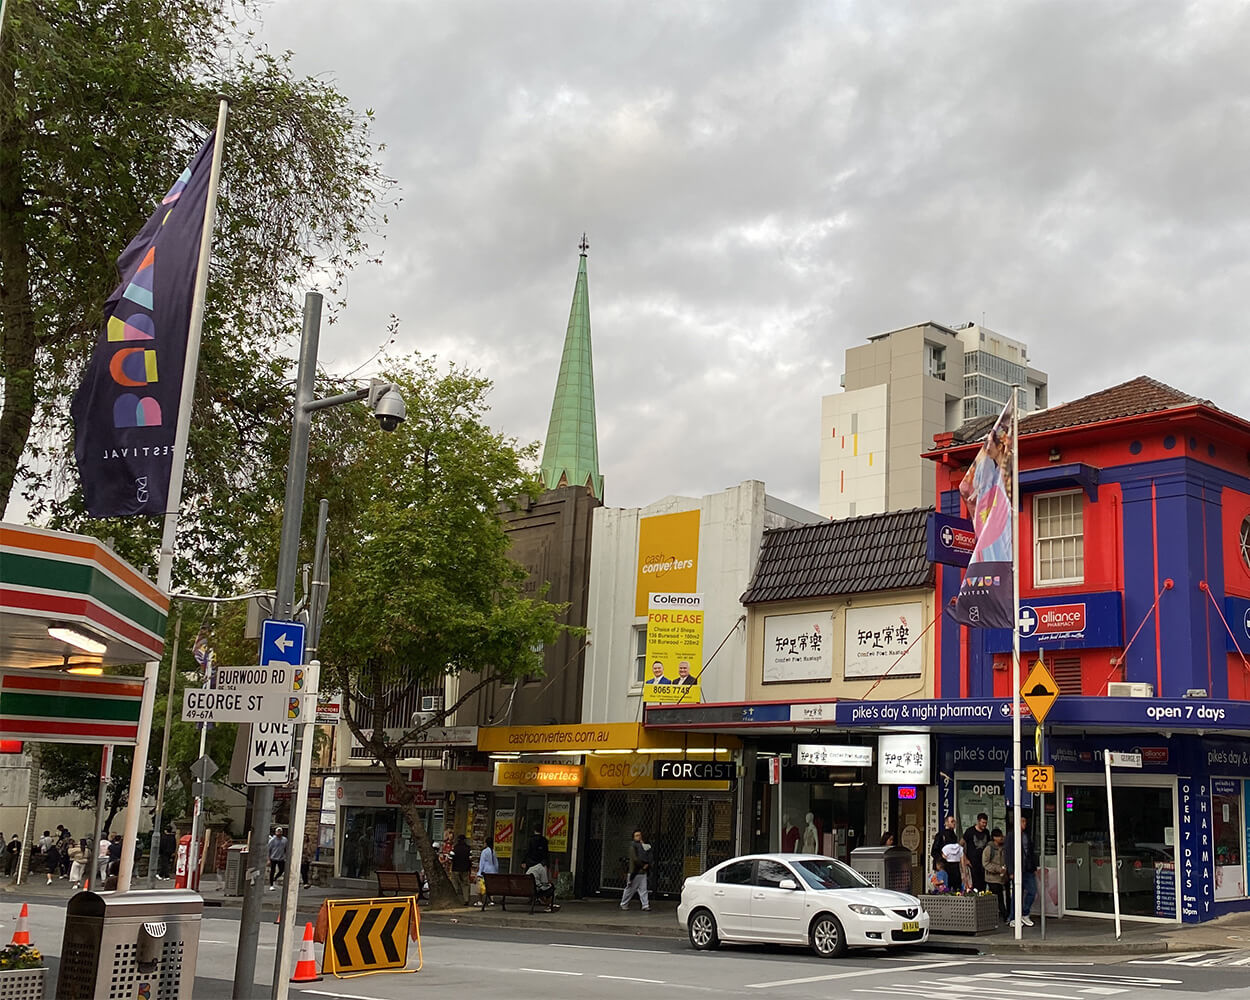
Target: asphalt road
column 499, row 964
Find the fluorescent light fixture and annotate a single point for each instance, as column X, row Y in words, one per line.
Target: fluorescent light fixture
column 81, row 640
column 86, row 669
column 604, row 753
column 505, row 756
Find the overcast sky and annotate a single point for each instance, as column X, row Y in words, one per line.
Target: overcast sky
column 767, row 184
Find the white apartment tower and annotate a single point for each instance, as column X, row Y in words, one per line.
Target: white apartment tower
column 900, row 389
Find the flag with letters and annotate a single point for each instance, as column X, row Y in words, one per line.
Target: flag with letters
column 126, row 409
column 985, row 598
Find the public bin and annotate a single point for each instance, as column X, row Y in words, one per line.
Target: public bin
column 884, row 867
column 236, row 869
column 184, row 878
column 114, row 945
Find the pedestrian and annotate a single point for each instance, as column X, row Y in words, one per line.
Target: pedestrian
column 52, row 857
column 538, row 850
column 639, row 866
column 461, row 864
column 956, row 864
column 938, row 881
column 62, row 845
column 167, row 847
column 45, row 842
column 1028, row 872
column 946, row 835
column 12, row 854
column 994, row 865
column 887, row 838
column 77, row 853
column 102, row 857
column 277, row 857
column 305, row 862
column 544, row 891
column 222, row 857
column 487, row 864
column 976, row 839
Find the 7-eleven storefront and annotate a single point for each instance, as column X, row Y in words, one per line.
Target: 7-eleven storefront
column 591, row 785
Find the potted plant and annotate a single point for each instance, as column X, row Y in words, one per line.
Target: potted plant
column 22, row 972
column 961, row 912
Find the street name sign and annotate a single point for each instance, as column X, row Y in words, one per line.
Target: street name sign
column 282, row 677
column 268, row 754
column 1119, row 759
column 209, row 705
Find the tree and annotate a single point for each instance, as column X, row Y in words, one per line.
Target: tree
column 101, row 107
column 423, row 584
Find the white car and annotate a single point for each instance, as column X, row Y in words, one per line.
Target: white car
column 797, row 899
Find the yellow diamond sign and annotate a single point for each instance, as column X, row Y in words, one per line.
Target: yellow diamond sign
column 1039, row 691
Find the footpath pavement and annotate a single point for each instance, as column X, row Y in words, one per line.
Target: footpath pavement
column 1067, row 936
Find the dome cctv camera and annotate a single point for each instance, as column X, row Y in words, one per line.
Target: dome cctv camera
column 390, row 410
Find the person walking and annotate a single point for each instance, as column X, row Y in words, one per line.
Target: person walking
column 994, row 866
column 12, row 854
column 1028, row 872
column 538, row 850
column 102, row 857
column 487, row 864
column 277, row 857
column 946, row 835
column 78, row 854
column 639, row 867
column 305, row 862
column 52, row 858
column 62, row 846
column 976, row 839
column 167, row 847
column 461, row 865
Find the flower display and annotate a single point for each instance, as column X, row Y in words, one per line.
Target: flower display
column 21, row 956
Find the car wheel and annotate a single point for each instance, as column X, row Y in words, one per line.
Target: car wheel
column 702, row 927
column 828, row 940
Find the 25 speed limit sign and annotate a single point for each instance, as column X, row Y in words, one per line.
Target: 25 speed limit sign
column 1040, row 778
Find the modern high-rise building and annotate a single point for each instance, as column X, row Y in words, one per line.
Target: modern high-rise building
column 900, row 389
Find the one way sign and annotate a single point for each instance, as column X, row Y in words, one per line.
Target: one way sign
column 269, row 754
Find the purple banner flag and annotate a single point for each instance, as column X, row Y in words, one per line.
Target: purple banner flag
column 126, row 410
column 985, row 598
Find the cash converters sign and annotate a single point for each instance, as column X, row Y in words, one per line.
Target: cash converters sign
column 674, row 649
column 668, row 556
column 516, row 774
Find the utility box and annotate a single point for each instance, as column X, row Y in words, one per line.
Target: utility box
column 884, row 867
column 236, row 869
column 116, row 945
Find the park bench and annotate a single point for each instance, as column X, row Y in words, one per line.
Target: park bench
column 397, row 882
column 503, row 884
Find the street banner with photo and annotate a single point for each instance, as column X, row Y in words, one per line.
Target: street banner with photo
column 985, row 598
column 798, row 647
column 505, row 831
column 126, row 409
column 556, row 825
column 674, row 649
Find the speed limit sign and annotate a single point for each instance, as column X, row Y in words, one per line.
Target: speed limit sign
column 1040, row 778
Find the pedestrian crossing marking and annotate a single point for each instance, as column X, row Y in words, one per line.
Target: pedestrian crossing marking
column 1223, row 958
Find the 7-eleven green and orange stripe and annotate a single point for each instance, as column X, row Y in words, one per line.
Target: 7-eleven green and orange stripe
column 55, row 707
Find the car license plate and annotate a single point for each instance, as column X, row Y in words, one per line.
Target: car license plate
column 911, row 926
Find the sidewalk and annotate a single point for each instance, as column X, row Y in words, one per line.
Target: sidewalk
column 1070, row 935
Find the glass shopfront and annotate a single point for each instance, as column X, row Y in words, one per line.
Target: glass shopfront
column 1228, row 838
column 378, row 837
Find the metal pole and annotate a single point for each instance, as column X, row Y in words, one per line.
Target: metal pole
column 165, row 573
column 1040, row 746
column 106, row 772
column 781, row 766
column 288, row 557
column 193, row 855
column 157, row 818
column 1017, row 879
column 1115, row 875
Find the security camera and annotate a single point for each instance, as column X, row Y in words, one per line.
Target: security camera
column 388, row 405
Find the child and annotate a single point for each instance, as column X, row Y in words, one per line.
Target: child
column 938, row 880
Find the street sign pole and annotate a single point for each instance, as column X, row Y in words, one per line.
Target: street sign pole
column 1115, row 877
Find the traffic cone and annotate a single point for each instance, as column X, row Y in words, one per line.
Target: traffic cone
column 306, row 967
column 22, row 934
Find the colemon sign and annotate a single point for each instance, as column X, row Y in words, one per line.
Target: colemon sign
column 674, row 648
column 668, row 556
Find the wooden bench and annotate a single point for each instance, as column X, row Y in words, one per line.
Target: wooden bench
column 397, row 882
column 503, row 884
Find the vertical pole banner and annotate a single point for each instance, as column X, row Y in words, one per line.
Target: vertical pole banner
column 674, row 648
column 126, row 409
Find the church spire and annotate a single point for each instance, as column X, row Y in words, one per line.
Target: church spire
column 571, row 452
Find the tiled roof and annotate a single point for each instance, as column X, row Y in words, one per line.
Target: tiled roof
column 1140, row 395
column 857, row 555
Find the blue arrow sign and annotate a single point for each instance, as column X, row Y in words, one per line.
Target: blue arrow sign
column 281, row 642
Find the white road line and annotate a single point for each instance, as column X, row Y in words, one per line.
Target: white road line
column 595, row 947
column 553, row 972
column 1111, row 978
column 846, row 975
column 343, row 996
column 633, row 979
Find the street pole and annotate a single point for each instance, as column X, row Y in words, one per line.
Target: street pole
column 106, row 772
column 1017, row 878
column 288, row 559
column 193, row 855
column 158, row 818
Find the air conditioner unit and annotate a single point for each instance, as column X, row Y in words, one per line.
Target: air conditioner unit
column 431, row 703
column 1133, row 690
column 421, row 718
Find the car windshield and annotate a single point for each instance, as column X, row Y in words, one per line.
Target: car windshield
column 828, row 873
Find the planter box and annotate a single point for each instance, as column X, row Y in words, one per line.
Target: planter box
column 961, row 914
column 22, row 984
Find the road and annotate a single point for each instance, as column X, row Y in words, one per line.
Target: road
column 503, row 964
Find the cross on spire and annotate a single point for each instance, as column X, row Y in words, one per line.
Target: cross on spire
column 584, row 245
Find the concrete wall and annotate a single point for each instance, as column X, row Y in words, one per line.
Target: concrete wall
column 854, row 461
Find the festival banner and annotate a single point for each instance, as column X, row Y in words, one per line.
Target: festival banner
column 985, row 597
column 674, row 648
column 126, row 409
column 556, row 825
column 505, row 830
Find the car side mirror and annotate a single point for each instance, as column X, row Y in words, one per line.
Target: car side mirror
column 787, row 883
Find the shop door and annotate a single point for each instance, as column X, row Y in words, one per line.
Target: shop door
column 1145, row 848
column 908, row 820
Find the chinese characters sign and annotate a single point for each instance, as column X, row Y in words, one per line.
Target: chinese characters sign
column 876, row 637
column 902, row 759
column 834, row 755
column 798, row 647
column 674, row 648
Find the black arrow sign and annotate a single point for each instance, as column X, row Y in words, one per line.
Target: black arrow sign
column 342, row 956
column 264, row 767
column 388, row 935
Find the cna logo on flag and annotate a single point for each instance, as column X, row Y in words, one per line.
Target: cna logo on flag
column 985, row 597
column 126, row 410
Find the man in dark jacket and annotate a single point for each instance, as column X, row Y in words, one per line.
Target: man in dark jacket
column 1028, row 872
column 946, row 835
column 167, row 847
column 538, row 852
column 976, row 839
column 461, row 864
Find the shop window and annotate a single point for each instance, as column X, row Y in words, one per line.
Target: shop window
column 1230, row 873
column 1059, row 539
column 739, row 873
column 640, row 653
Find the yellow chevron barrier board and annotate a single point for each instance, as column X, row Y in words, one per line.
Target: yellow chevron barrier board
column 369, row 935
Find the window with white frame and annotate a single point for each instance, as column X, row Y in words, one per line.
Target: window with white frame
column 640, row 653
column 1058, row 538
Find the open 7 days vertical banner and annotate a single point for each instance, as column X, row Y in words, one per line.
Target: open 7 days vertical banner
column 126, row 410
column 674, row 648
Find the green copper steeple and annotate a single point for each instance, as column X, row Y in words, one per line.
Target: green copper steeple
column 571, row 453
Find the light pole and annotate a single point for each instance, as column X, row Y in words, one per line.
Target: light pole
column 388, row 407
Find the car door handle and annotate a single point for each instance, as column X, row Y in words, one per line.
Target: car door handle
column 718, row 892
column 759, row 895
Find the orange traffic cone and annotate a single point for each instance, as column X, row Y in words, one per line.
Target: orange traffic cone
column 306, row 967
column 22, row 934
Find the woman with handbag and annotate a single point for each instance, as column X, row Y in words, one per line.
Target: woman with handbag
column 994, row 861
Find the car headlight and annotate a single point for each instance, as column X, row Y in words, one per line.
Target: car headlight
column 864, row 909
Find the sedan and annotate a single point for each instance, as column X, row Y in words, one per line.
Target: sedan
column 797, row 899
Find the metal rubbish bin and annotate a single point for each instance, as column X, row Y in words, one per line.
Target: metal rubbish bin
column 884, row 867
column 114, row 945
column 236, row 869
